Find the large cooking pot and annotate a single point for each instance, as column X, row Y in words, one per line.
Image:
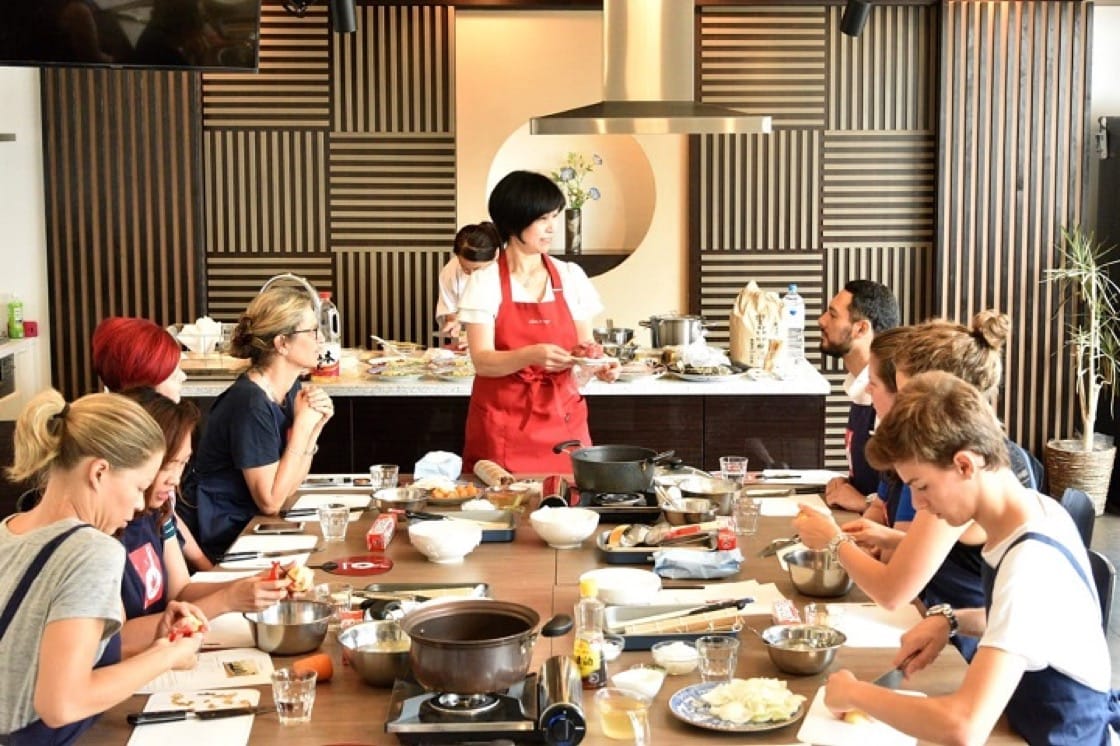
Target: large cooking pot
column 674, row 329
column 613, row 468
column 474, row 645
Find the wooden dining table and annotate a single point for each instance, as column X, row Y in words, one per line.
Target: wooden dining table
column 527, row 571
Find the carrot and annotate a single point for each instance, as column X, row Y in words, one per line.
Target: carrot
column 320, row 663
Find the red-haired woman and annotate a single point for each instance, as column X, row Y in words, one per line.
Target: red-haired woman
column 131, row 353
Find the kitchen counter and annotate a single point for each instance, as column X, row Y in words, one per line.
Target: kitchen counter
column 12, row 346
column 347, row 710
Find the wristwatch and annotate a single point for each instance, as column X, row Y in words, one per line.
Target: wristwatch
column 835, row 542
column 946, row 611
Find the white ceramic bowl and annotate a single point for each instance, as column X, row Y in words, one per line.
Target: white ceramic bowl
column 564, row 528
column 625, row 586
column 678, row 657
column 445, row 542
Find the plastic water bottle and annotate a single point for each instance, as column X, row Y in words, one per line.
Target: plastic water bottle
column 15, row 317
column 330, row 339
column 794, row 311
column 588, row 651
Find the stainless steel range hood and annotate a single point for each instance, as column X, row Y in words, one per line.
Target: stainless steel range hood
column 647, row 79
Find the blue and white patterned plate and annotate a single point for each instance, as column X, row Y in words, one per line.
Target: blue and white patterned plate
column 687, row 705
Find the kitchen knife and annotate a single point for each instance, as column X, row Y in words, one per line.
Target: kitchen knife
column 892, row 678
column 238, row 556
column 170, row 716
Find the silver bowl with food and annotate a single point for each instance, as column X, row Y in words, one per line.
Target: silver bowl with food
column 290, row 627
column 720, row 492
column 802, row 648
column 378, row 651
column 817, row 572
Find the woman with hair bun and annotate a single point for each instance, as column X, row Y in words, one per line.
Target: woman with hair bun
column 60, row 569
column 475, row 247
column 130, row 353
column 263, row 430
column 938, row 563
column 155, row 572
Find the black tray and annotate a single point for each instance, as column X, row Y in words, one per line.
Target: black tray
column 642, row 555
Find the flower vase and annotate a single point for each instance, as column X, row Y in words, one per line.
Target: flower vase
column 573, row 231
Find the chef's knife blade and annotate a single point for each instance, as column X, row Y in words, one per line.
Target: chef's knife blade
column 893, row 678
column 170, row 716
column 237, row 556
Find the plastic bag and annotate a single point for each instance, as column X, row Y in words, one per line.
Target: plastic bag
column 755, row 328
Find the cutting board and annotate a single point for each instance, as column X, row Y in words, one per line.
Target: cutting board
column 314, row 500
column 264, row 543
column 191, row 732
column 821, row 728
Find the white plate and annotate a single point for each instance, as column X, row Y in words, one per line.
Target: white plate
column 593, row 361
column 705, row 378
column 687, row 705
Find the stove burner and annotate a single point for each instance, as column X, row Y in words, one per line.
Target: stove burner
column 462, row 704
column 619, row 499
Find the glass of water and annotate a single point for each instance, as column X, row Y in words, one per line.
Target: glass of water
column 733, row 468
column 383, row 475
column 294, row 695
column 718, row 657
column 333, row 520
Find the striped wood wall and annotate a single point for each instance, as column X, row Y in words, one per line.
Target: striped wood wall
column 338, row 160
column 122, row 196
column 844, row 188
column 1012, row 164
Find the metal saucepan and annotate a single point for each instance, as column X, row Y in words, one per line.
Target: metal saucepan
column 474, row 646
column 674, row 329
column 613, row 468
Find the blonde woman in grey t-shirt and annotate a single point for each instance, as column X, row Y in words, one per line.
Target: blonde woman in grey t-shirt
column 60, row 569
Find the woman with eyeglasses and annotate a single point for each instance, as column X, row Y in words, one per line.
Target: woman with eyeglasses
column 262, row 431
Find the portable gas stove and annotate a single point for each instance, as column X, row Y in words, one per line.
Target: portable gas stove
column 544, row 708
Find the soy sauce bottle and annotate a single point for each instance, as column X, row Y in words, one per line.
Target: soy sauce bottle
column 588, row 653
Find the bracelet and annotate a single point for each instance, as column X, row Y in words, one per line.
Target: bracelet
column 312, row 450
column 835, row 542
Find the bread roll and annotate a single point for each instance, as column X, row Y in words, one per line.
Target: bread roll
column 491, row 474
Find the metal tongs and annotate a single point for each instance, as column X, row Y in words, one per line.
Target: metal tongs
column 778, row 545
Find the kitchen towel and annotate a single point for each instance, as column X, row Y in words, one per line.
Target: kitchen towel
column 438, row 464
column 821, row 728
column 191, row 732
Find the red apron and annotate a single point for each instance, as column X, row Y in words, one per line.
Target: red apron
column 515, row 420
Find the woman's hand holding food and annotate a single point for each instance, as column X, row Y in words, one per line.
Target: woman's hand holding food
column 552, row 358
column 815, row 528
column 873, row 535
column 256, row 593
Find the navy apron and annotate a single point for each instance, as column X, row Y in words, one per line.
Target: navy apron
column 1049, row 707
column 39, row 733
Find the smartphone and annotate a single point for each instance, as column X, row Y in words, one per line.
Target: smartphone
column 278, row 528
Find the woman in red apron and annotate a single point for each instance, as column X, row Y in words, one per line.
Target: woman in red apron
column 524, row 315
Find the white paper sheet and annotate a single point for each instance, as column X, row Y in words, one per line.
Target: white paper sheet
column 231, row 630
column 263, row 543
column 871, row 626
column 221, row 576
column 798, row 477
column 822, row 728
column 764, row 595
column 219, row 669
column 314, row 500
column 788, row 507
column 192, row 732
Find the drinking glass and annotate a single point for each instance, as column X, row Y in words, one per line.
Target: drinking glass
column 338, row 596
column 333, row 520
column 718, row 657
column 383, row 475
column 294, row 695
column 746, row 513
column 733, row 468
column 623, row 715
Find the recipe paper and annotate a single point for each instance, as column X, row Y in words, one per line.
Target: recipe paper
column 314, row 500
column 193, row 732
column 821, row 728
column 788, row 507
column 219, row 669
column 264, row 543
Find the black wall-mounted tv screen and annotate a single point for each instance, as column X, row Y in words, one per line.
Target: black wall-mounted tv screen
column 208, row 34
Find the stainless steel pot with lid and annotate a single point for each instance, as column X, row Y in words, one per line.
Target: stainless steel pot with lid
column 674, row 329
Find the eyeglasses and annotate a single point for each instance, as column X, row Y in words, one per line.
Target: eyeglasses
column 313, row 330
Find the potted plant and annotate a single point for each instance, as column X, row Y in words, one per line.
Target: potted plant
column 1091, row 300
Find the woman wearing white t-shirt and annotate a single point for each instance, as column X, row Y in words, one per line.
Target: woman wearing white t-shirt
column 525, row 314
column 1042, row 656
column 476, row 245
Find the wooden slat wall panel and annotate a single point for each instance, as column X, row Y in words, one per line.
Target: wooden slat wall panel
column 232, row 280
column 292, row 87
column 1012, row 155
column 878, row 187
column 393, row 292
column 122, row 196
column 767, row 60
column 881, row 79
column 759, row 191
column 266, row 191
column 392, row 191
column 394, row 74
